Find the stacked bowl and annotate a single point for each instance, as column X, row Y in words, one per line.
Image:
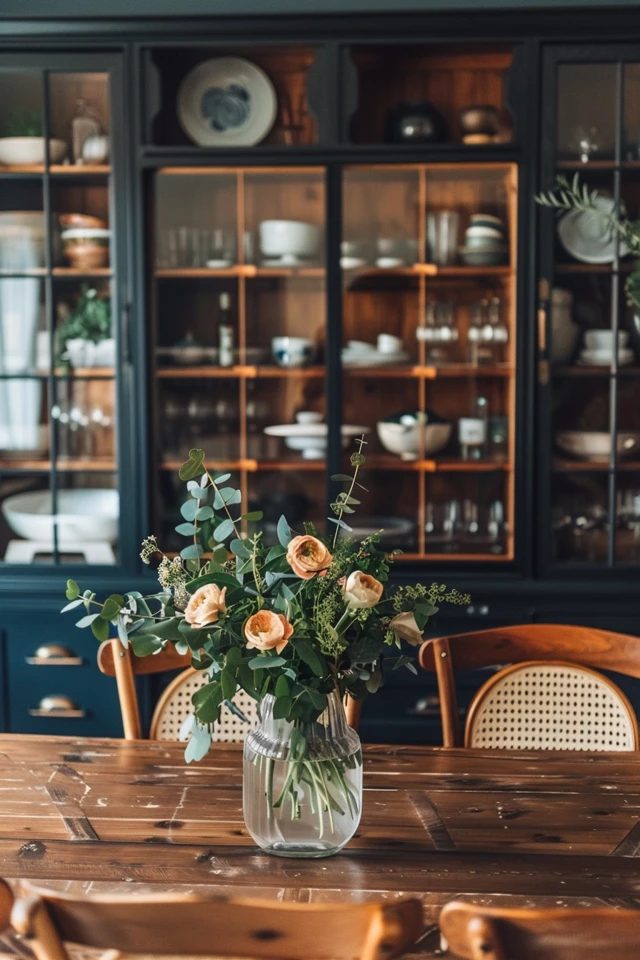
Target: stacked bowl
column 485, row 244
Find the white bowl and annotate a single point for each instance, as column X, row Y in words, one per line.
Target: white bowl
column 293, row 352
column 82, row 515
column 594, row 445
column 603, row 339
column 282, row 238
column 30, row 151
column 404, row 440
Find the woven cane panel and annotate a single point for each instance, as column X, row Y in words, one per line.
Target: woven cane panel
column 551, row 707
column 229, row 729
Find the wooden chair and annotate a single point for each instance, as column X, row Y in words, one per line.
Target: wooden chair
column 482, row 933
column 173, row 925
column 174, row 704
column 550, row 698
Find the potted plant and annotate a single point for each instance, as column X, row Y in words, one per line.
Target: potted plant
column 84, row 336
column 23, row 142
column 298, row 626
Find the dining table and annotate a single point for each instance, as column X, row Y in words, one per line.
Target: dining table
column 535, row 829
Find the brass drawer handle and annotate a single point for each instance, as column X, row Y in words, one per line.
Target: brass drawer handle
column 54, row 655
column 57, row 705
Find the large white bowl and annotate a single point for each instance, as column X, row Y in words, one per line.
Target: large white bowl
column 30, row 150
column 285, row 238
column 595, row 445
column 404, row 439
column 82, row 515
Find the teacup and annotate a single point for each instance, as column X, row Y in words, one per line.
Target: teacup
column 388, row 343
column 292, row 352
column 604, row 339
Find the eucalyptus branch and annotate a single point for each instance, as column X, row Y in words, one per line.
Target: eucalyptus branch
column 341, row 504
column 226, row 508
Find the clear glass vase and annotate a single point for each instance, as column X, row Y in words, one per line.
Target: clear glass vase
column 302, row 783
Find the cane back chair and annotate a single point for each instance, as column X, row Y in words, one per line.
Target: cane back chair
column 483, row 933
column 174, row 704
column 551, row 697
column 187, row 925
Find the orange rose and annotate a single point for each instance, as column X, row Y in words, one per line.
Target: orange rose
column 206, row 605
column 307, row 556
column 266, row 630
column 362, row 590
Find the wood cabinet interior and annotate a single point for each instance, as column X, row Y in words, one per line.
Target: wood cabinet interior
column 286, row 66
column 450, row 78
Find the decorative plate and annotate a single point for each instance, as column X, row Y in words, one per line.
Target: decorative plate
column 226, row 102
column 587, row 234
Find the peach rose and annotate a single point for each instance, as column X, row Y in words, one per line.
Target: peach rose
column 266, row 630
column 308, row 556
column 206, row 605
column 405, row 627
column 362, row 590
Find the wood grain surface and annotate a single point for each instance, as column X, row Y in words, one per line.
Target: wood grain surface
column 521, row 829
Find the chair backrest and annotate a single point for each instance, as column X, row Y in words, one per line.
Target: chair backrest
column 175, row 702
column 188, row 925
column 550, row 706
column 596, row 649
column 175, row 705
column 482, row 933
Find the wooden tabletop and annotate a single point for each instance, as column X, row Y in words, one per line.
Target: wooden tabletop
column 526, row 828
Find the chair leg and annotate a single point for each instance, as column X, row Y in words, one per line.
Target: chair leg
column 30, row 918
column 127, row 695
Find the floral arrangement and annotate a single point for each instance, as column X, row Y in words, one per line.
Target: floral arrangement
column 298, row 620
column 574, row 196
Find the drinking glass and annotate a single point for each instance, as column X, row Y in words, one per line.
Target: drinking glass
column 442, row 237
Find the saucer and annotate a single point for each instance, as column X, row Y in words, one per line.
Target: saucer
column 389, row 263
column 604, row 358
column 218, row 264
column 352, row 263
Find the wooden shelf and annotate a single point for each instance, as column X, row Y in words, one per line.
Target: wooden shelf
column 390, row 462
column 57, row 169
column 75, row 272
column 632, row 370
column 249, row 271
column 62, row 466
column 590, row 165
column 248, row 372
column 30, row 272
column 623, row 267
column 592, row 466
column 253, row 466
column 450, row 371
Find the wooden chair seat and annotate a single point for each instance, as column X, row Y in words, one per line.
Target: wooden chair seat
column 552, row 696
column 481, row 933
column 175, row 702
column 189, row 926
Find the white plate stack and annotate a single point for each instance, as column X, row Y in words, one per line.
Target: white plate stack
column 598, row 349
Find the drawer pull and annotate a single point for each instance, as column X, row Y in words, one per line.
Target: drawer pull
column 57, row 705
column 54, row 655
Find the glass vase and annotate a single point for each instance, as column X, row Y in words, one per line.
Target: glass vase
column 302, row 783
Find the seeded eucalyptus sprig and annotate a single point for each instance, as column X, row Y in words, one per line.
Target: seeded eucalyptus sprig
column 345, row 501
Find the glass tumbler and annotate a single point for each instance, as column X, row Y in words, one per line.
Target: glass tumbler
column 442, row 237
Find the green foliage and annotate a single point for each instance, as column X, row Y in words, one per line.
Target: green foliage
column 24, row 123
column 329, row 643
column 91, row 319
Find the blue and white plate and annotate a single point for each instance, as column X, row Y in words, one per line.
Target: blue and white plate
column 227, row 102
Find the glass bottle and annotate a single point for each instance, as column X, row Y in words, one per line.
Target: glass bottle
column 85, row 124
column 225, row 332
column 302, row 782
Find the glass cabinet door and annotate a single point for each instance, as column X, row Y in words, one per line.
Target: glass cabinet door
column 589, row 340
column 428, row 264
column 58, row 416
column 238, row 325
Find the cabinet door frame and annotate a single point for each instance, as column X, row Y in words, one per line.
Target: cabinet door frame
column 129, row 428
column 553, row 56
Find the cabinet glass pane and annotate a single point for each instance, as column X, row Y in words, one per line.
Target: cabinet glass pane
column 586, row 112
column 57, row 346
column 240, row 332
column 428, row 261
column 22, row 144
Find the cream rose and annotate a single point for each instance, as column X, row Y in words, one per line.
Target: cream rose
column 362, row 590
column 307, row 556
column 266, row 630
column 405, row 627
column 206, row 605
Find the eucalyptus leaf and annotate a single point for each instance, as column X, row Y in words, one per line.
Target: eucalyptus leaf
column 207, row 702
column 111, row 607
column 282, row 708
column 121, row 627
column 189, row 509
column 266, row 663
column 199, row 744
column 309, row 656
column 204, row 513
column 100, row 629
column 221, row 479
column 71, row 606
column 240, row 549
column 223, row 530
column 228, row 684
column 145, row 646
column 193, row 552
column 72, row 591
column 282, row 687
column 88, row 620
column 254, row 516
column 283, row 531
column 186, row 727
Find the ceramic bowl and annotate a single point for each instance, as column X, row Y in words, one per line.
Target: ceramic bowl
column 594, row 445
column 86, row 247
column 482, row 118
column 70, row 221
column 483, row 256
column 283, row 238
column 404, row 439
column 82, row 515
column 603, row 340
column 30, row 151
column 486, row 220
column 293, row 352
